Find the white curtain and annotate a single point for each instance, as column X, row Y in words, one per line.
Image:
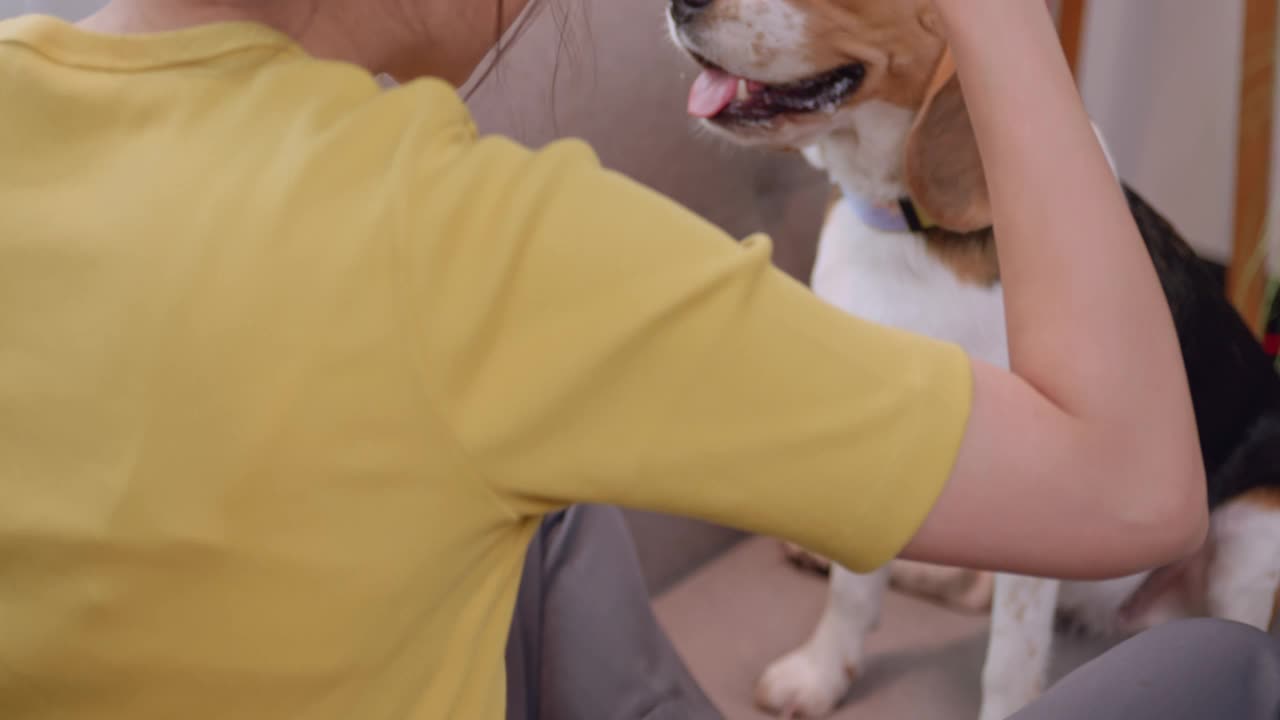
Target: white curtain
column 1162, row 79
column 65, row 9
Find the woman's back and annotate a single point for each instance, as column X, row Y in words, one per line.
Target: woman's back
column 215, row 431
column 282, row 394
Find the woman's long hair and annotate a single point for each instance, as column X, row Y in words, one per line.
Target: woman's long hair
column 502, row 40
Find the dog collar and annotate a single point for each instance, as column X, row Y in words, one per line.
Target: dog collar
column 900, row 216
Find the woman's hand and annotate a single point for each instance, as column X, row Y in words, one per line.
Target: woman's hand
column 1084, row 460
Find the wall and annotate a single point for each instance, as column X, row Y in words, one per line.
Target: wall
column 1161, row 78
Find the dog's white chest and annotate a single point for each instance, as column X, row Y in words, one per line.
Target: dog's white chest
column 891, row 278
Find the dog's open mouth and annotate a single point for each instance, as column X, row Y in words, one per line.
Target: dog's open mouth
column 720, row 96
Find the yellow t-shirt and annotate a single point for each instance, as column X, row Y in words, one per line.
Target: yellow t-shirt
column 290, row 367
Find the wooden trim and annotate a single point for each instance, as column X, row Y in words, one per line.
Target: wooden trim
column 1071, row 16
column 1253, row 158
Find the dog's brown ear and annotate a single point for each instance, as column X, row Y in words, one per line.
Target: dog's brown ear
column 944, row 174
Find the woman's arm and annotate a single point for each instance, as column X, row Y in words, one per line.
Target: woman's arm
column 594, row 342
column 1084, row 461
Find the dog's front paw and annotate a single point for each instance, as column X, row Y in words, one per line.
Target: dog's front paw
column 802, row 685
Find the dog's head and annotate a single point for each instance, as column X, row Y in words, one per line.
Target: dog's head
column 786, row 73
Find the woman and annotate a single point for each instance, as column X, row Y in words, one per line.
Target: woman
column 294, row 367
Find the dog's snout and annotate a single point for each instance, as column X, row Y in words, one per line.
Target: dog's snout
column 682, row 11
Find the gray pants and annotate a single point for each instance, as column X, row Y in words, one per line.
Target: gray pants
column 585, row 645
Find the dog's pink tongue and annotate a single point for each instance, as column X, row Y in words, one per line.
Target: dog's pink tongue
column 711, row 93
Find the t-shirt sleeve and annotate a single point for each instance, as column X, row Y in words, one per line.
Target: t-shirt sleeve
column 591, row 341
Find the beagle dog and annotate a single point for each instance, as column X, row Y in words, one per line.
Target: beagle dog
column 867, row 90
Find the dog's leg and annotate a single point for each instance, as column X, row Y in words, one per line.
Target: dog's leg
column 813, row 679
column 1245, row 571
column 968, row 591
column 1021, row 644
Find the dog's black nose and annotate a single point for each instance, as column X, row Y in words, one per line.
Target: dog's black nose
column 682, row 11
